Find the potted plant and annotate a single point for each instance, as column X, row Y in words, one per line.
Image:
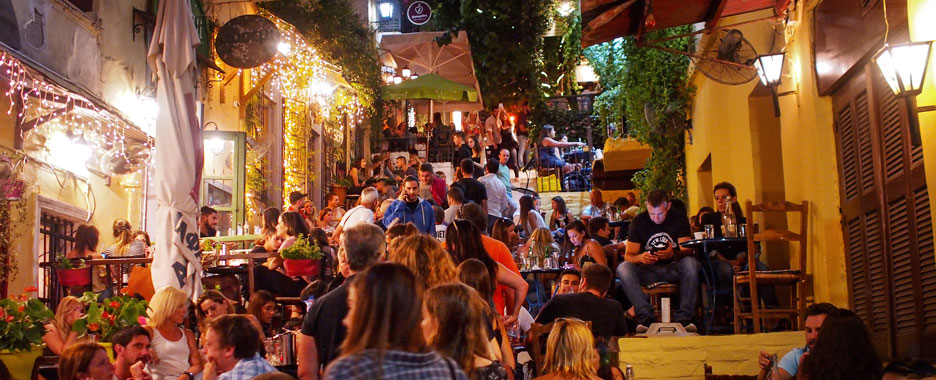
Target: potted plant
column 22, row 325
column 103, row 319
column 340, row 188
column 71, row 275
column 302, row 258
column 11, row 187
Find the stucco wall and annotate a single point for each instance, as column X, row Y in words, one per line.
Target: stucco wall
column 723, row 122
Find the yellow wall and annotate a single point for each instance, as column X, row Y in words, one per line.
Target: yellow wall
column 723, row 120
column 922, row 28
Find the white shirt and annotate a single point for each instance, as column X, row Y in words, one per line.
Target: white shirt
column 357, row 215
column 498, row 204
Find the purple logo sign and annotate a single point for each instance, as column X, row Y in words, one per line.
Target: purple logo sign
column 419, row 12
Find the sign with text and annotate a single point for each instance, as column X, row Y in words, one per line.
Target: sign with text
column 419, row 12
column 247, row 41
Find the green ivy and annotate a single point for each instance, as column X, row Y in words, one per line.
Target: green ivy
column 506, row 44
column 633, row 76
column 561, row 54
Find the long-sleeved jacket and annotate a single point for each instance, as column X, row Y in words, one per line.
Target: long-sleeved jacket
column 422, row 217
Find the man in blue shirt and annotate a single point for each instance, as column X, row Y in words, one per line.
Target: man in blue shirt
column 408, row 208
column 789, row 364
column 232, row 346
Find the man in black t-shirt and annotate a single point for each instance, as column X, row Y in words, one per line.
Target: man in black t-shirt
column 653, row 255
column 462, row 151
column 322, row 330
column 474, row 190
column 605, row 314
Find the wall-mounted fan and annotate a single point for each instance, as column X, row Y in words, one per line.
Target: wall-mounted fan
column 726, row 57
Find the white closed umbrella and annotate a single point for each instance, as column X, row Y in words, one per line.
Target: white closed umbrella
column 179, row 151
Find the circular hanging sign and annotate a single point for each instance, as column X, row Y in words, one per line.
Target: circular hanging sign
column 419, row 12
column 247, row 41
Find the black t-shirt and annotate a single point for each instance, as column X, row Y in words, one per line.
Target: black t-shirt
column 649, row 235
column 606, row 315
column 474, row 190
column 461, row 153
column 602, row 240
column 323, row 322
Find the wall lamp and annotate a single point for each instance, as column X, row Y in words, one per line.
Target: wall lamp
column 904, row 69
column 770, row 70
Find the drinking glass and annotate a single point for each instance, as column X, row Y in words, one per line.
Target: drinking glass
column 709, row 231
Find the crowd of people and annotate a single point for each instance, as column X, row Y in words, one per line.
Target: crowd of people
column 421, row 280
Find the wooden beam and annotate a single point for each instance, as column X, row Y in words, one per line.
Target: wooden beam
column 28, row 125
column 714, row 13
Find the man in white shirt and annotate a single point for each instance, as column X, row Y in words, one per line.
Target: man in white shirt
column 598, row 207
column 456, row 197
column 362, row 213
column 499, row 204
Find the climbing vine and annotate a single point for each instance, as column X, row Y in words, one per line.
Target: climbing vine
column 639, row 80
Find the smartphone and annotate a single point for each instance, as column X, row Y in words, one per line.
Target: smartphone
column 500, row 105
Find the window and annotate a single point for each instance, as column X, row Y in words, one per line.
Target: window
column 55, row 238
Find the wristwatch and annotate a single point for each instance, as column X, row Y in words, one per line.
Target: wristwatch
column 190, row 375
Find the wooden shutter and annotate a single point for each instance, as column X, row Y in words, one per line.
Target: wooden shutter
column 886, row 218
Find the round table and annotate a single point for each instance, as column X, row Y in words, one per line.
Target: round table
column 705, row 246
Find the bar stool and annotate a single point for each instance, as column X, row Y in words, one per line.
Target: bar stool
column 656, row 291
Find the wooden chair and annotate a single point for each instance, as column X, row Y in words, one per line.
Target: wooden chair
column 538, row 334
column 794, row 277
column 656, row 292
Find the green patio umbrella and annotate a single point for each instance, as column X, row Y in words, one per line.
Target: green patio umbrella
column 431, row 87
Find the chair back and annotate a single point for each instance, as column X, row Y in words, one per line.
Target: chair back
column 778, row 234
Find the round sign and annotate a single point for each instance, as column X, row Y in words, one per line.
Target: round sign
column 247, row 41
column 419, row 12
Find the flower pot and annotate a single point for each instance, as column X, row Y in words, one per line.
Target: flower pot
column 301, row 267
column 341, row 192
column 12, row 189
column 21, row 363
column 74, row 277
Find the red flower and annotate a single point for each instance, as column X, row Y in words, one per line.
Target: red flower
column 21, row 308
column 105, row 315
column 31, row 289
column 9, row 318
column 93, row 326
column 115, row 304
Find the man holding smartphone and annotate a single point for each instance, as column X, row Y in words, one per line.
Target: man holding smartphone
column 653, row 255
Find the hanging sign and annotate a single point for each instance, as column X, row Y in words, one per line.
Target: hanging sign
column 247, row 41
column 419, row 12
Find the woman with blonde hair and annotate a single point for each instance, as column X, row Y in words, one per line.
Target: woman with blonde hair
column 85, row 361
column 426, row 257
column 472, row 124
column 454, row 323
column 539, row 242
column 570, row 352
column 124, row 246
column 174, row 346
column 59, row 334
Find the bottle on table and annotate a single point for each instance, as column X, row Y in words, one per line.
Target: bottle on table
column 629, row 373
column 729, row 220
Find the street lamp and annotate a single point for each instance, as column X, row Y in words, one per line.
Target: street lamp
column 904, row 68
column 406, row 72
column 386, row 9
column 414, row 76
column 397, row 79
column 770, row 70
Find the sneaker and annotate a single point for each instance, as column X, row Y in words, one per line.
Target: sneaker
column 689, row 326
column 642, row 329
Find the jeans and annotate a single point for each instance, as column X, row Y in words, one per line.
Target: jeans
column 684, row 272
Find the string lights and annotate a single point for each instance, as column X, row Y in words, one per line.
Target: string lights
column 52, row 112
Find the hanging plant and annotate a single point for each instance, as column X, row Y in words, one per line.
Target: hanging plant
column 12, row 216
column 641, row 82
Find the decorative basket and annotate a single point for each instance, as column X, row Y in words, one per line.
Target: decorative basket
column 301, row 267
column 12, row 189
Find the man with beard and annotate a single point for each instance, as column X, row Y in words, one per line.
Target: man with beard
column 408, row 208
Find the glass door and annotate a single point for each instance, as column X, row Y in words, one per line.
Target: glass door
column 223, row 177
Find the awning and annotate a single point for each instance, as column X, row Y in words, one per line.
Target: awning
column 421, row 53
column 605, row 20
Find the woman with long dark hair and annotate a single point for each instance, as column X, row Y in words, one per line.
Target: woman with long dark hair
column 384, row 338
column 583, row 249
column 87, row 238
column 262, row 305
column 504, row 231
column 270, row 219
column 473, row 273
column 454, row 324
column 271, row 276
column 530, row 218
column 559, row 217
column 843, row 350
column 85, row 361
column 463, row 241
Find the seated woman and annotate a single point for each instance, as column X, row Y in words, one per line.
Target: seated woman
column 583, row 249
column 454, row 319
column 385, row 295
column 325, row 218
column 570, row 353
column 505, row 231
column 87, row 361
column 174, row 346
column 473, row 273
column 262, row 306
column 124, row 246
column 539, row 242
column 59, row 334
column 559, row 217
column 86, row 243
column 549, row 151
column 530, row 218
column 211, row 305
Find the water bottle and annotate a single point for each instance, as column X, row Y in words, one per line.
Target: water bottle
column 629, row 373
column 728, row 219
